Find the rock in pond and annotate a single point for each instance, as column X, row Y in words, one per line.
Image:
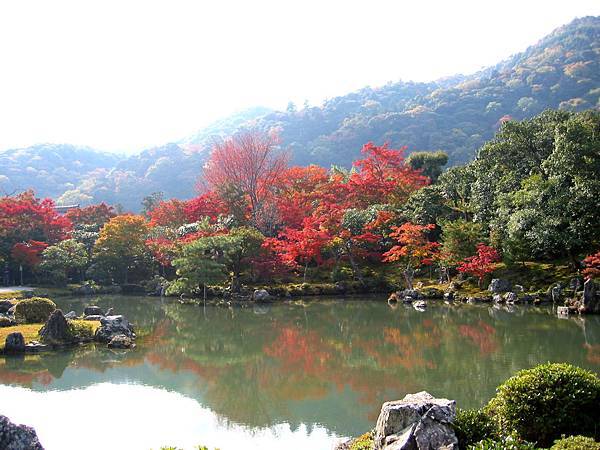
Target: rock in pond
column 420, row 305
column 17, row 437
column 417, row 422
column 93, row 311
column 261, row 295
column 95, row 317
column 15, row 343
column 56, row 330
column 511, row 298
column 498, row 285
column 121, row 341
column 111, row 326
column 590, row 301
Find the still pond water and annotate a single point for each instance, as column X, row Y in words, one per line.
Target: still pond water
column 289, row 376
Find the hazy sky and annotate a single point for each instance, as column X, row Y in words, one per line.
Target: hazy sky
column 125, row 75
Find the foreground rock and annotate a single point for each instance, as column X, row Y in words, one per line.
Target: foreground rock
column 17, row 437
column 417, row 422
column 498, row 285
column 56, row 330
column 111, row 326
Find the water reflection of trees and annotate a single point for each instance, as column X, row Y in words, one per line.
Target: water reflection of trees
column 330, row 363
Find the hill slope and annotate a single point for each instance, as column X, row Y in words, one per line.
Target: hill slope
column 457, row 115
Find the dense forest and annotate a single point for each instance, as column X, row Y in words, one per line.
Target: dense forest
column 531, row 194
column 456, row 115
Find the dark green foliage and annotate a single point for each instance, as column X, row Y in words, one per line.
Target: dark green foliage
column 472, row 426
column 430, row 163
column 548, row 401
column 34, row 310
column 576, row 443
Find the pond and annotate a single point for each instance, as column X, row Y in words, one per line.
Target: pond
column 296, row 375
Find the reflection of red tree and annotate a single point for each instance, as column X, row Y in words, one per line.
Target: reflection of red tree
column 593, row 353
column 483, row 335
column 25, row 378
column 298, row 351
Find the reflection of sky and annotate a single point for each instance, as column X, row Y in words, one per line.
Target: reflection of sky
column 127, row 416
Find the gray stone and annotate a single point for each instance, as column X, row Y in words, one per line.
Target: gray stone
column 448, row 296
column 417, row 422
column 56, row 330
column 497, row 298
column 562, row 310
column 17, row 437
column 5, row 305
column 555, row 293
column 35, row 346
column 590, row 302
column 121, row 341
column 109, row 312
column 511, row 298
column 93, row 311
column 519, row 288
column 94, row 317
column 111, row 326
column 261, row 295
column 15, row 343
column 498, row 285
column 71, row 315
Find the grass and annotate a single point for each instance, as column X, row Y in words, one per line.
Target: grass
column 11, row 295
column 83, row 329
column 30, row 332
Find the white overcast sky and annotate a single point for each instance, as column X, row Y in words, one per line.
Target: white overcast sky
column 126, row 75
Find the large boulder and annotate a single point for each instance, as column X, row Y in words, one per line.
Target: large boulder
column 261, row 295
column 417, row 422
column 5, row 305
column 498, row 285
column 590, row 302
column 14, row 343
column 56, row 330
column 111, row 326
column 6, row 322
column 93, row 311
column 17, row 437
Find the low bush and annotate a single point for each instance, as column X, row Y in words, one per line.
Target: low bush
column 472, row 426
column 546, row 402
column 34, row 310
column 363, row 442
column 576, row 443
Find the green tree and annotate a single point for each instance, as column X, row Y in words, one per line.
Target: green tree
column 431, row 163
column 62, row 259
column 459, row 241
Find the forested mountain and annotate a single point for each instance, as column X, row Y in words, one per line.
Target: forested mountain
column 456, row 114
column 52, row 169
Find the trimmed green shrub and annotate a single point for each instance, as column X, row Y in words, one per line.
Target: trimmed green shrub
column 546, row 402
column 472, row 426
column 506, row 443
column 576, row 443
column 34, row 310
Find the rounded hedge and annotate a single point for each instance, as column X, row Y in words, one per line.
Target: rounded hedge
column 576, row 443
column 472, row 426
column 546, row 402
column 34, row 310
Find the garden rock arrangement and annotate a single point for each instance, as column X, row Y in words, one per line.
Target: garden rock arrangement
column 56, row 330
column 17, row 437
column 116, row 331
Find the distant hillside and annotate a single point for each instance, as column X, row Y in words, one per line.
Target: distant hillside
column 456, row 114
column 51, row 169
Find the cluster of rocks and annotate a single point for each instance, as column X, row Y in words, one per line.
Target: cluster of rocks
column 17, row 437
column 114, row 330
column 417, row 422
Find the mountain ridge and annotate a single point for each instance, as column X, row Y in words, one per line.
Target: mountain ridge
column 456, row 114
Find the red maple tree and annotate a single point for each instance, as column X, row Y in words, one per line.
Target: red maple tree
column 480, row 264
